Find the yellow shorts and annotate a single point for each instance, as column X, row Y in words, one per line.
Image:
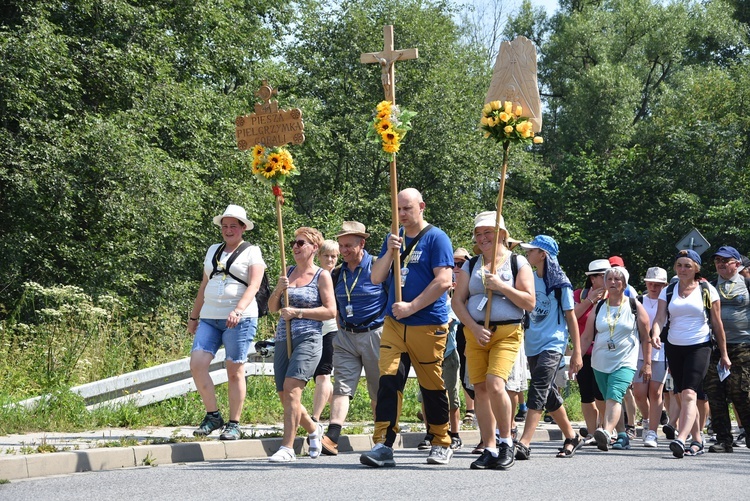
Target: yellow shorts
column 497, row 357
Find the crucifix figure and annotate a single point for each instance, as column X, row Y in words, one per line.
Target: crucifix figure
column 386, row 59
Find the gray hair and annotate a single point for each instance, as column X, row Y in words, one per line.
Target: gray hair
column 618, row 272
column 328, row 246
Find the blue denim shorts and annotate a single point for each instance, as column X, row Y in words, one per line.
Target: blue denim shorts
column 213, row 332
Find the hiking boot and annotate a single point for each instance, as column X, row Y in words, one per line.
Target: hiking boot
column 231, row 432
column 380, row 455
column 650, row 439
column 456, row 443
column 425, row 444
column 721, row 448
column 485, row 462
column 440, row 455
column 622, row 443
column 209, row 424
column 506, row 456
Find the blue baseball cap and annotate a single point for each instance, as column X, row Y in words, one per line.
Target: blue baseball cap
column 544, row 242
column 727, row 251
column 689, row 253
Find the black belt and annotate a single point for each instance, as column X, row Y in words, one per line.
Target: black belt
column 358, row 330
column 506, row 322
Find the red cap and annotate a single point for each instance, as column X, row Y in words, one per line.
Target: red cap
column 616, row 261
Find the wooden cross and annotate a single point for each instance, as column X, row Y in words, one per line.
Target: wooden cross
column 386, row 59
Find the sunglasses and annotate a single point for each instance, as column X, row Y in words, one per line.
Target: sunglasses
column 299, row 243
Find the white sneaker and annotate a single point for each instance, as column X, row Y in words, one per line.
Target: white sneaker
column 440, row 455
column 283, row 455
column 650, row 440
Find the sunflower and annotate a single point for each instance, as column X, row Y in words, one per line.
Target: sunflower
column 390, row 137
column 384, row 105
column 258, row 151
column 391, row 148
column 384, row 126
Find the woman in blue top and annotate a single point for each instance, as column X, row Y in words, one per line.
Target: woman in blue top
column 311, row 302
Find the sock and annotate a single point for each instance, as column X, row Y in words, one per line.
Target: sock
column 233, row 421
column 522, row 407
column 507, row 440
column 453, row 434
column 334, row 432
column 493, row 451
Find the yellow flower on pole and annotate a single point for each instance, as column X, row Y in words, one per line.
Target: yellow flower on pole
column 272, row 165
column 508, row 107
column 538, row 140
column 508, row 129
column 487, row 109
column 505, row 117
column 495, row 105
column 503, row 121
column 519, row 110
column 391, row 123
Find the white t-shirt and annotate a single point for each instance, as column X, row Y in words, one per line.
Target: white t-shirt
column 687, row 316
column 223, row 292
column 651, row 305
column 623, row 336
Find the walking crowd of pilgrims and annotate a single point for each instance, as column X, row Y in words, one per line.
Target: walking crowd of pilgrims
column 496, row 327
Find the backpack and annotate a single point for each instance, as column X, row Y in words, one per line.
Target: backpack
column 633, row 308
column 705, row 294
column 261, row 297
column 514, row 270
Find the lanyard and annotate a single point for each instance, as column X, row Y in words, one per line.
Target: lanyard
column 726, row 292
column 354, row 283
column 612, row 322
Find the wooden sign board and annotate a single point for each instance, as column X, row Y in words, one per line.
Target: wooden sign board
column 269, row 126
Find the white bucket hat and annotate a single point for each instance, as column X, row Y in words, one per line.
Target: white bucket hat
column 598, row 266
column 656, row 274
column 236, row 212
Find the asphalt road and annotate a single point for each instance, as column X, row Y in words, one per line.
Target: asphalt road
column 635, row 474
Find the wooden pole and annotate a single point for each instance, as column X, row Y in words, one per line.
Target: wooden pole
column 394, row 229
column 499, row 214
column 280, row 226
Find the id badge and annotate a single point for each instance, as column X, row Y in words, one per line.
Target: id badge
column 349, row 310
column 611, row 345
column 482, row 303
column 222, row 284
column 404, row 274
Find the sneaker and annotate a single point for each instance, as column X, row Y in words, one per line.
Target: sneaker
column 521, row 416
column 630, row 431
column 425, row 444
column 469, row 418
column 650, row 439
column 584, row 432
column 602, row 438
column 548, row 419
column 485, row 462
column 589, row 440
column 622, row 443
column 721, row 448
column 314, row 442
column 664, row 418
column 506, row 456
column 231, row 432
column 740, row 438
column 678, row 448
column 669, row 431
column 440, row 455
column 208, row 425
column 456, row 443
column 283, row 455
column 380, row 455
column 479, row 449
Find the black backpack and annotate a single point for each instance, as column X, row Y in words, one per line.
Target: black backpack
column 514, row 270
column 261, row 297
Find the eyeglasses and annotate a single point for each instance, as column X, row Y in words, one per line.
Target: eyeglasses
column 722, row 260
column 299, row 243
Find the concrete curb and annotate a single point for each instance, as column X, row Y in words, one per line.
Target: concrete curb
column 110, row 458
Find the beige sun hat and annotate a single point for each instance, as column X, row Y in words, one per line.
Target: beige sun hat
column 353, row 228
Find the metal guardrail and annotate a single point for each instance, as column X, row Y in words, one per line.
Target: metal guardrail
column 161, row 382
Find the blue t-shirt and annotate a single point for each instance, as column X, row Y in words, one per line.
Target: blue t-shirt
column 547, row 330
column 433, row 250
column 367, row 300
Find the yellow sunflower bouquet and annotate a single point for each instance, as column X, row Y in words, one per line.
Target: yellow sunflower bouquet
column 501, row 122
column 272, row 165
column 389, row 126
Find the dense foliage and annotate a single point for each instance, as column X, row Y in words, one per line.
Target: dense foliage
column 117, row 137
